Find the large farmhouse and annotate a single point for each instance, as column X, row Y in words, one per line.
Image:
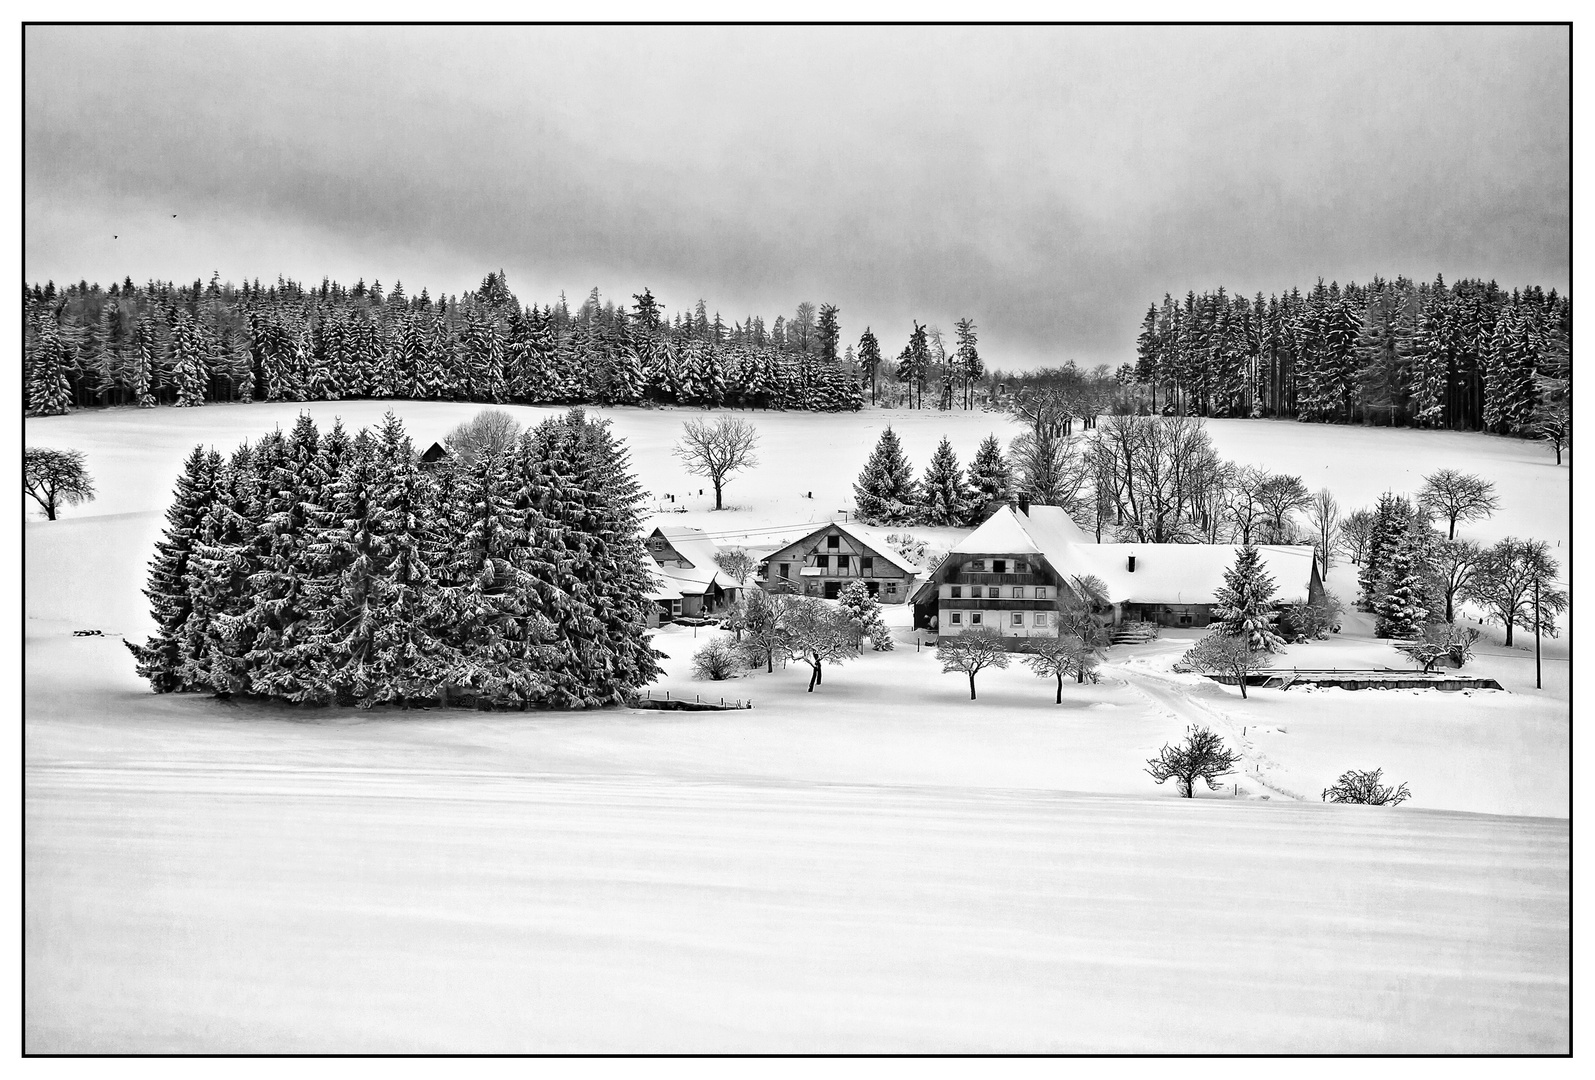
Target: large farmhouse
column 691, row 581
column 1005, row 576
column 829, row 557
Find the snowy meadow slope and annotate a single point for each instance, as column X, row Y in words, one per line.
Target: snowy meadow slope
column 881, row 865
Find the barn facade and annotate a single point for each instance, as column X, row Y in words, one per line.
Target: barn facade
column 831, row 556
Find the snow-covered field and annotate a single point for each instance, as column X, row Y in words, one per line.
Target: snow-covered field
column 880, row 865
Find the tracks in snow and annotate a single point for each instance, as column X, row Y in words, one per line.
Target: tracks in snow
column 1176, row 701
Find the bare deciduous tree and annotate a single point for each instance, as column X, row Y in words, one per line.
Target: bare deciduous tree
column 1281, row 496
column 813, row 631
column 1245, row 510
column 1059, row 657
column 718, row 449
column 717, row 660
column 54, row 478
column 1323, row 514
column 1158, row 474
column 1224, row 654
column 1356, row 786
column 1201, row 756
column 1453, row 564
column 737, row 564
column 971, row 653
column 1508, row 579
column 489, row 431
column 1356, row 531
column 1457, row 496
column 1441, row 641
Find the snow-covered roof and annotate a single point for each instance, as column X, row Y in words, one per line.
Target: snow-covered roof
column 1164, row 573
column 659, row 588
column 694, row 547
column 1045, row 530
column 879, row 546
column 1186, row 573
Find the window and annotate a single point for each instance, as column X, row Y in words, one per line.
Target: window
column 978, row 565
column 1018, row 618
column 1018, row 592
column 1041, row 618
column 675, row 607
column 822, row 561
column 974, row 618
column 957, row 618
column 974, row 590
column 866, row 564
column 1021, row 567
column 891, row 588
column 833, row 542
column 1041, row 593
column 999, row 566
column 955, row 591
column 784, row 568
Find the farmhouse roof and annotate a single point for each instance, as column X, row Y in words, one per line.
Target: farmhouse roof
column 1190, row 573
column 695, row 548
column 1164, row 573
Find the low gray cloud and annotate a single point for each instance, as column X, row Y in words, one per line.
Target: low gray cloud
column 1048, row 182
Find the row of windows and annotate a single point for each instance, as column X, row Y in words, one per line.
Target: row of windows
column 993, row 592
column 866, row 564
column 998, row 566
column 1015, row 618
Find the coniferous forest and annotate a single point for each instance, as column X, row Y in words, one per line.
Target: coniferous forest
column 1467, row 356
column 165, row 344
column 323, row 568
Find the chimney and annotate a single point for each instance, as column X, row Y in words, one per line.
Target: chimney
column 1024, row 506
column 1132, row 564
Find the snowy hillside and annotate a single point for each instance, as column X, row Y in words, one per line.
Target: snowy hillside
column 880, row 865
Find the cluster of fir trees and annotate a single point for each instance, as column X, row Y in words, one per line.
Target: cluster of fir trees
column 1468, row 356
column 323, row 569
column 164, row 344
column 886, row 492
column 1413, row 575
column 927, row 362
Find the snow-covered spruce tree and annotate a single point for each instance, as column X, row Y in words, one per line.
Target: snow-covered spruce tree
column 393, row 658
column 1400, row 611
column 885, row 492
column 863, row 612
column 1244, row 606
column 49, row 393
column 623, row 660
column 1392, row 517
column 587, row 569
column 216, row 581
column 990, row 474
column 945, row 497
column 142, row 364
column 189, row 371
column 486, row 597
column 160, row 659
column 285, row 658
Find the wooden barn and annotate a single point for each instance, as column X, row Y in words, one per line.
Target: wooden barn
column 832, row 555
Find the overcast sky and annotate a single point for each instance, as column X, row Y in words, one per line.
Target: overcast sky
column 1048, row 183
